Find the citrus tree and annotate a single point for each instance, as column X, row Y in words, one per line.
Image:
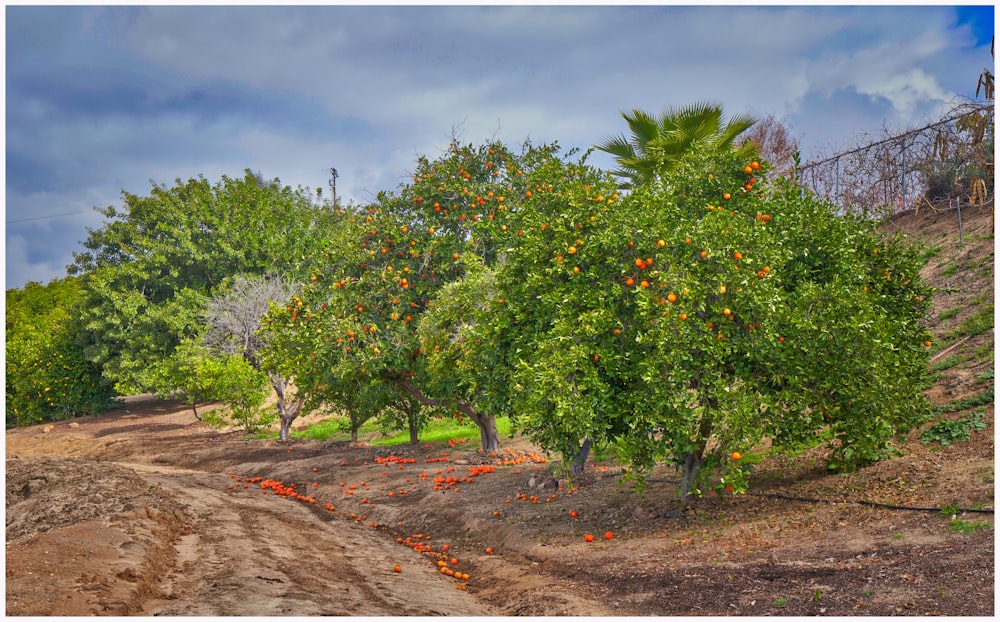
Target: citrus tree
column 357, row 316
column 697, row 315
column 47, row 375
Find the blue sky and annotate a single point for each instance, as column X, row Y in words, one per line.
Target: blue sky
column 105, row 99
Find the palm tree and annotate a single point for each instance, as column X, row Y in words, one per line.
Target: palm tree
column 658, row 142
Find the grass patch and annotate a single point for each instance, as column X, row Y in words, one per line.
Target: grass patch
column 947, row 363
column 436, row 431
column 976, row 324
column 947, row 315
column 988, row 375
column 984, row 352
column 928, row 252
column 960, row 526
column 443, row 430
column 983, row 398
column 978, row 300
column 949, row 270
column 950, row 431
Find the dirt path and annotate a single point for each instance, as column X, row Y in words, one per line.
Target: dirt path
column 252, row 556
column 89, row 536
column 147, row 512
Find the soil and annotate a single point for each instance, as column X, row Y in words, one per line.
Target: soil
column 147, row 511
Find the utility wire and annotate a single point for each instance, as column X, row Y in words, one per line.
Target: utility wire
column 11, row 222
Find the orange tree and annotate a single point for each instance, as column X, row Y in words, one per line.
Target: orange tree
column 355, row 321
column 696, row 316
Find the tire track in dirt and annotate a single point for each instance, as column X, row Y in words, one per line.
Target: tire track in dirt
column 265, row 555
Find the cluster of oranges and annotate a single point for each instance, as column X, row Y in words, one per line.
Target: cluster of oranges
column 277, row 487
column 393, row 459
column 514, row 458
column 445, row 562
column 446, row 483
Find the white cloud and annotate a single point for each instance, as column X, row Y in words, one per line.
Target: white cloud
column 292, row 91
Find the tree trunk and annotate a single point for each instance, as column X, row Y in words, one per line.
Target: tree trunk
column 194, row 408
column 413, row 420
column 287, row 410
column 691, row 463
column 286, row 428
column 581, row 458
column 489, row 437
column 354, row 436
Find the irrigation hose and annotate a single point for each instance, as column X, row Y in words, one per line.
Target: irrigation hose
column 874, row 504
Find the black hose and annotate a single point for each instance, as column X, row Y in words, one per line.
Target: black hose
column 887, row 506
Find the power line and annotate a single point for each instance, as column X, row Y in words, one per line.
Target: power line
column 11, row 222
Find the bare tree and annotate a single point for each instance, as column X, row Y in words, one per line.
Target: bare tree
column 775, row 144
column 234, row 319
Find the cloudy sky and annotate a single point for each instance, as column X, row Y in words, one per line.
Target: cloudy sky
column 105, row 99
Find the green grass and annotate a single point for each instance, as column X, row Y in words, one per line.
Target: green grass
column 985, row 376
column 928, row 252
column 960, row 526
column 977, row 323
column 949, row 270
column 436, row 431
column 982, row 398
column 950, row 313
column 443, row 430
column 947, row 431
column 947, row 363
column 984, row 352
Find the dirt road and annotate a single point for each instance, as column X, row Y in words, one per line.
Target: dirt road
column 248, row 557
column 96, row 537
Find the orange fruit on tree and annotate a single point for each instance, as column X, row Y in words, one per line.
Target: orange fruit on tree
column 737, row 255
column 630, row 281
column 671, row 297
column 735, row 455
column 725, row 196
column 748, row 169
column 704, row 254
column 571, row 250
column 755, row 165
